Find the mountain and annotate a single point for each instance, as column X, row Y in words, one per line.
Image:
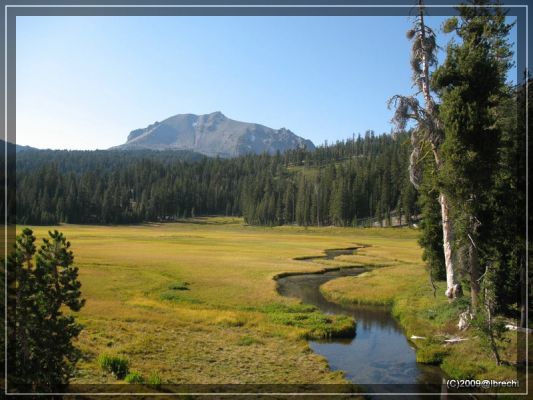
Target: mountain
column 213, row 135
column 18, row 147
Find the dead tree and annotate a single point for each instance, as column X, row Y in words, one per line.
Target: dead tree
column 428, row 131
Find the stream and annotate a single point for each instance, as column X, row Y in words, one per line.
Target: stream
column 379, row 358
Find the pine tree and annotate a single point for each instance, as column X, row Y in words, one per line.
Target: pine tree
column 41, row 352
column 471, row 83
column 431, row 236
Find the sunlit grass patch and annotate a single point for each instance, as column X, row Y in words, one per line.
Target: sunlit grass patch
column 315, row 325
column 176, row 297
column 134, row 378
column 230, row 320
column 114, row 364
column 372, row 287
column 154, row 380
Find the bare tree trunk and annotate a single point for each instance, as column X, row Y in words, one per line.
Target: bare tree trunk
column 495, row 352
column 453, row 288
column 432, row 283
column 474, row 275
column 430, row 104
column 493, row 345
column 317, row 206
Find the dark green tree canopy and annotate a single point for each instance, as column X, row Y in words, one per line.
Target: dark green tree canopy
column 41, row 355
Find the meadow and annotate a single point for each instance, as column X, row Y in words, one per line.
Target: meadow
column 196, row 302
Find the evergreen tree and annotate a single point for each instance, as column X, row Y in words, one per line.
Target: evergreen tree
column 471, row 83
column 41, row 355
column 126, row 187
column 431, row 226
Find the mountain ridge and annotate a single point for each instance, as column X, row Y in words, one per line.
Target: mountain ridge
column 213, row 134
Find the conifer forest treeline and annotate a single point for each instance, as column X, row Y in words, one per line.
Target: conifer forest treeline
column 353, row 182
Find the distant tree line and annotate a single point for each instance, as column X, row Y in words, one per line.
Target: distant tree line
column 342, row 184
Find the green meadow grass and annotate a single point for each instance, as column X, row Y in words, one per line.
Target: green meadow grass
column 196, row 302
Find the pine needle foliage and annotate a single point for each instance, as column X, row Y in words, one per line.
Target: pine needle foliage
column 42, row 286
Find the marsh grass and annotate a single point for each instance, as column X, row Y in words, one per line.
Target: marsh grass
column 133, row 279
column 446, row 312
column 314, row 324
column 280, row 308
column 134, row 378
column 114, row 364
column 154, row 380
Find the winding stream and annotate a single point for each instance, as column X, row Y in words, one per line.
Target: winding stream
column 379, row 358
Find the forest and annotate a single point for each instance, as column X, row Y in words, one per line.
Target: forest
column 353, row 182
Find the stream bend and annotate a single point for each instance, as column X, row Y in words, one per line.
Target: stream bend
column 379, row 358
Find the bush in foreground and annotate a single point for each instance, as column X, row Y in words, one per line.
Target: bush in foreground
column 43, row 287
column 117, row 365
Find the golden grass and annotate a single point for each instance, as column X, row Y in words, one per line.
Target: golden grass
column 218, row 331
column 196, row 335
column 372, row 287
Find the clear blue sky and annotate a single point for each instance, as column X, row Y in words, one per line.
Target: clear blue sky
column 86, row 82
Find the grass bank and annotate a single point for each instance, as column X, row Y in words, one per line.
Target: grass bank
column 403, row 285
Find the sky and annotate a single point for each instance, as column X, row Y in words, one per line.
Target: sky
column 86, row 82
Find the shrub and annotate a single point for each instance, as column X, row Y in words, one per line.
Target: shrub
column 117, row 365
column 134, row 377
column 154, row 379
column 179, row 286
column 45, row 288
